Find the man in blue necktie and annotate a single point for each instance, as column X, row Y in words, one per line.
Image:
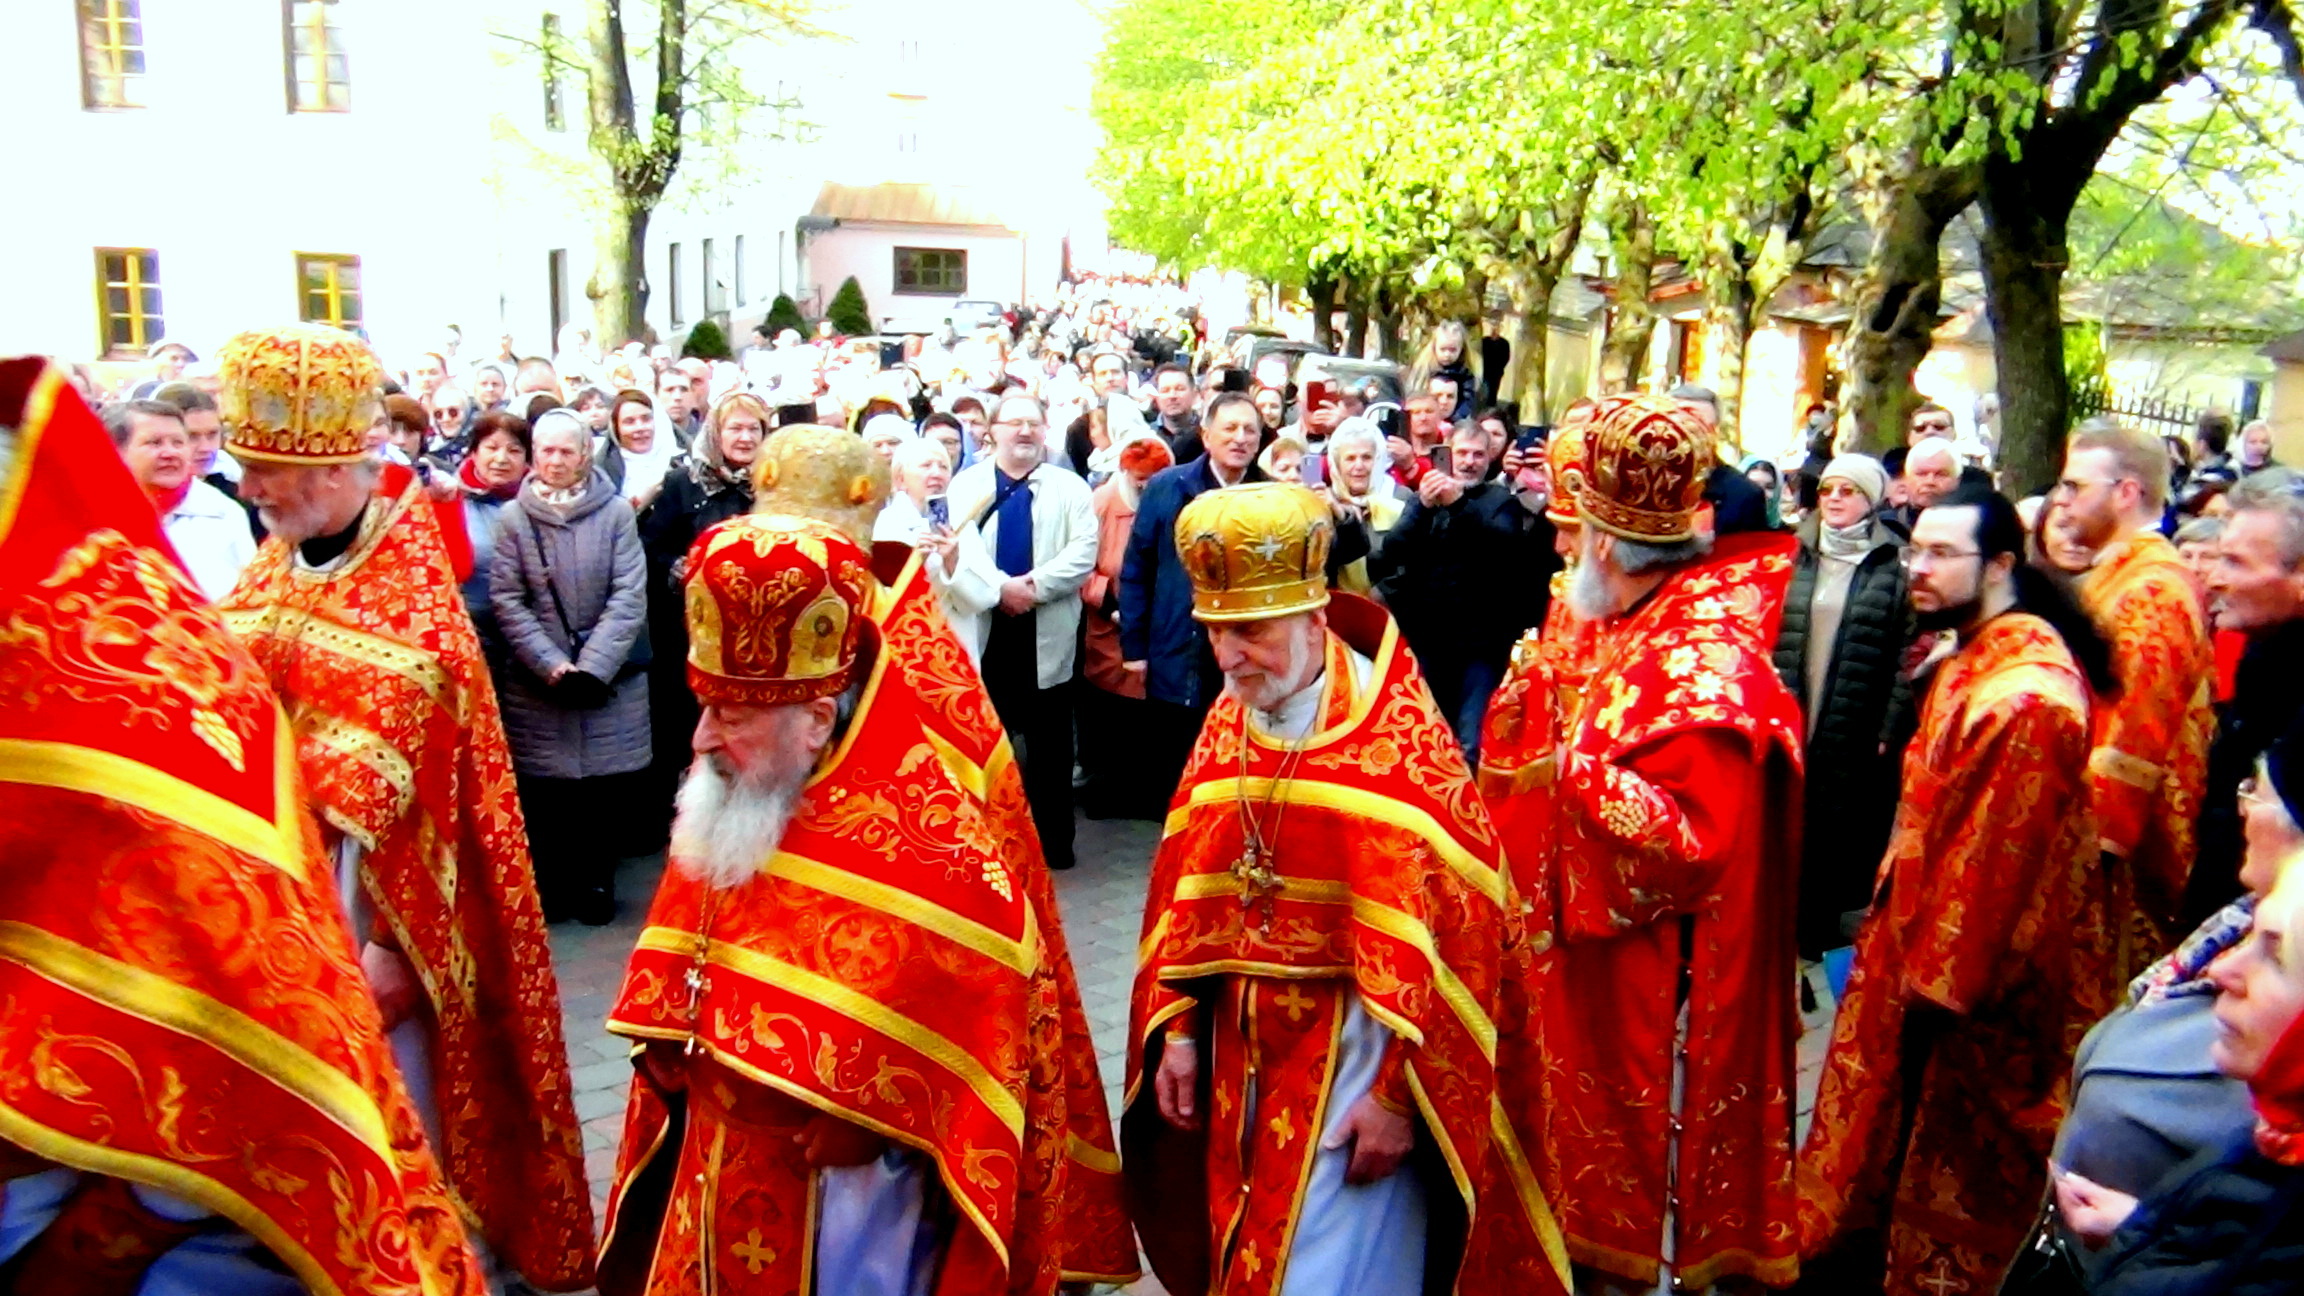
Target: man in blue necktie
column 1039, row 525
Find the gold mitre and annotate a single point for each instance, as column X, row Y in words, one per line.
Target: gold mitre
column 298, row 394
column 1256, row 551
column 812, row 471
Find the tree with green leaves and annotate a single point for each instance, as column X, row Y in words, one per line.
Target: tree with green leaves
column 663, row 85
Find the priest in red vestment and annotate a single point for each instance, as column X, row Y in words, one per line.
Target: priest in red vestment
column 1986, row 954
column 1650, row 815
column 1311, row 1081
column 811, row 471
column 2148, row 757
column 852, row 1079
column 195, row 1091
column 354, row 614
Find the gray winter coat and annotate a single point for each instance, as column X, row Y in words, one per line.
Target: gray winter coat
column 597, row 567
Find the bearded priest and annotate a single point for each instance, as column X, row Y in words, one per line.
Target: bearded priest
column 1646, row 805
column 1311, row 1095
column 850, row 1080
column 810, row 471
column 352, row 609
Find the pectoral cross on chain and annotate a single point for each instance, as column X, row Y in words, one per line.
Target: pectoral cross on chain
column 1259, row 881
column 695, row 983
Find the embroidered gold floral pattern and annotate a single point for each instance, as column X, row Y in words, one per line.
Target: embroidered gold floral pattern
column 119, row 626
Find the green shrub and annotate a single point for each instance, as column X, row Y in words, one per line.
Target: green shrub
column 784, row 314
column 706, row 342
column 848, row 313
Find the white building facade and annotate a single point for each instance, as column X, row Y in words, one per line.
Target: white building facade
column 400, row 166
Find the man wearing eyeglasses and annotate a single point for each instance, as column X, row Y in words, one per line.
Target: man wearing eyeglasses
column 1930, row 420
column 1986, row 954
column 1040, row 535
column 2255, row 586
column 2148, row 762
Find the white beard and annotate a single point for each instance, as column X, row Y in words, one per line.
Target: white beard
column 1269, row 691
column 726, row 831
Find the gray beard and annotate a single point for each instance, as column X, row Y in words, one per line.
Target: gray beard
column 725, row 831
column 1588, row 596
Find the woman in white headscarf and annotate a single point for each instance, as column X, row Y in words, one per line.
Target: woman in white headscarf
column 645, row 448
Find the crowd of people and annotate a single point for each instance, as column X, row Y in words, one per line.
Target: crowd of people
column 1521, row 788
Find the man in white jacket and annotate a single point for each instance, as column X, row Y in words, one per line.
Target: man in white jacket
column 1038, row 524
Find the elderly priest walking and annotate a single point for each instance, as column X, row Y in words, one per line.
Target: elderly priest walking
column 852, row 1083
column 1316, row 995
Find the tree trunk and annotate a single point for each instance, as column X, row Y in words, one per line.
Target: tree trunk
column 619, row 283
column 2024, row 260
column 1387, row 321
column 1624, row 357
column 1320, row 290
column 1356, row 318
column 1893, row 321
column 1727, row 336
column 1532, row 344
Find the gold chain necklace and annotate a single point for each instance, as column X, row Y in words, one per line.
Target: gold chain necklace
column 1260, row 881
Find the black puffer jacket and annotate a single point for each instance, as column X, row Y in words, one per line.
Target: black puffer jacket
column 2233, row 1226
column 1852, row 754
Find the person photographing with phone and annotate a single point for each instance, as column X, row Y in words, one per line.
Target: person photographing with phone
column 1465, row 570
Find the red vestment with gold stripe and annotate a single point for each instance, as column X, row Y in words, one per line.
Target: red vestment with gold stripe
column 1384, row 878
column 1648, row 797
column 1987, row 955
column 403, row 751
column 1099, row 1243
column 886, row 968
column 2148, row 763
column 179, row 1003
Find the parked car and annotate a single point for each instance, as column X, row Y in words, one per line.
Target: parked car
column 1359, row 375
column 970, row 314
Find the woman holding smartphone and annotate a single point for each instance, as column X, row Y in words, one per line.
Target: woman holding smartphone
column 917, row 514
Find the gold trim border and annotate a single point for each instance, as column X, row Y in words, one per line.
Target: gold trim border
column 39, row 409
column 69, row 767
column 152, row 998
column 1321, row 795
column 1020, row 955
column 855, row 1006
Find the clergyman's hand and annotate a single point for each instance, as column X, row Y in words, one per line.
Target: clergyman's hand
column 1380, row 1139
column 1177, row 1083
column 392, row 980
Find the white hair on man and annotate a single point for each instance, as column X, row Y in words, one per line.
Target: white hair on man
column 1932, row 448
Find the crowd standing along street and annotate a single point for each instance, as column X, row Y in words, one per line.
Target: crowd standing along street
column 1523, row 789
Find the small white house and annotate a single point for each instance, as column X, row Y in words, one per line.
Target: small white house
column 915, row 249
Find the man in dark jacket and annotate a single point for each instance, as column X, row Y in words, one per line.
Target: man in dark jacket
column 1172, row 415
column 1466, row 571
column 1846, row 624
column 1157, row 633
column 2255, row 586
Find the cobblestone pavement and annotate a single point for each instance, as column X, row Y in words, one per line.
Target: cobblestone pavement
column 1103, row 903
